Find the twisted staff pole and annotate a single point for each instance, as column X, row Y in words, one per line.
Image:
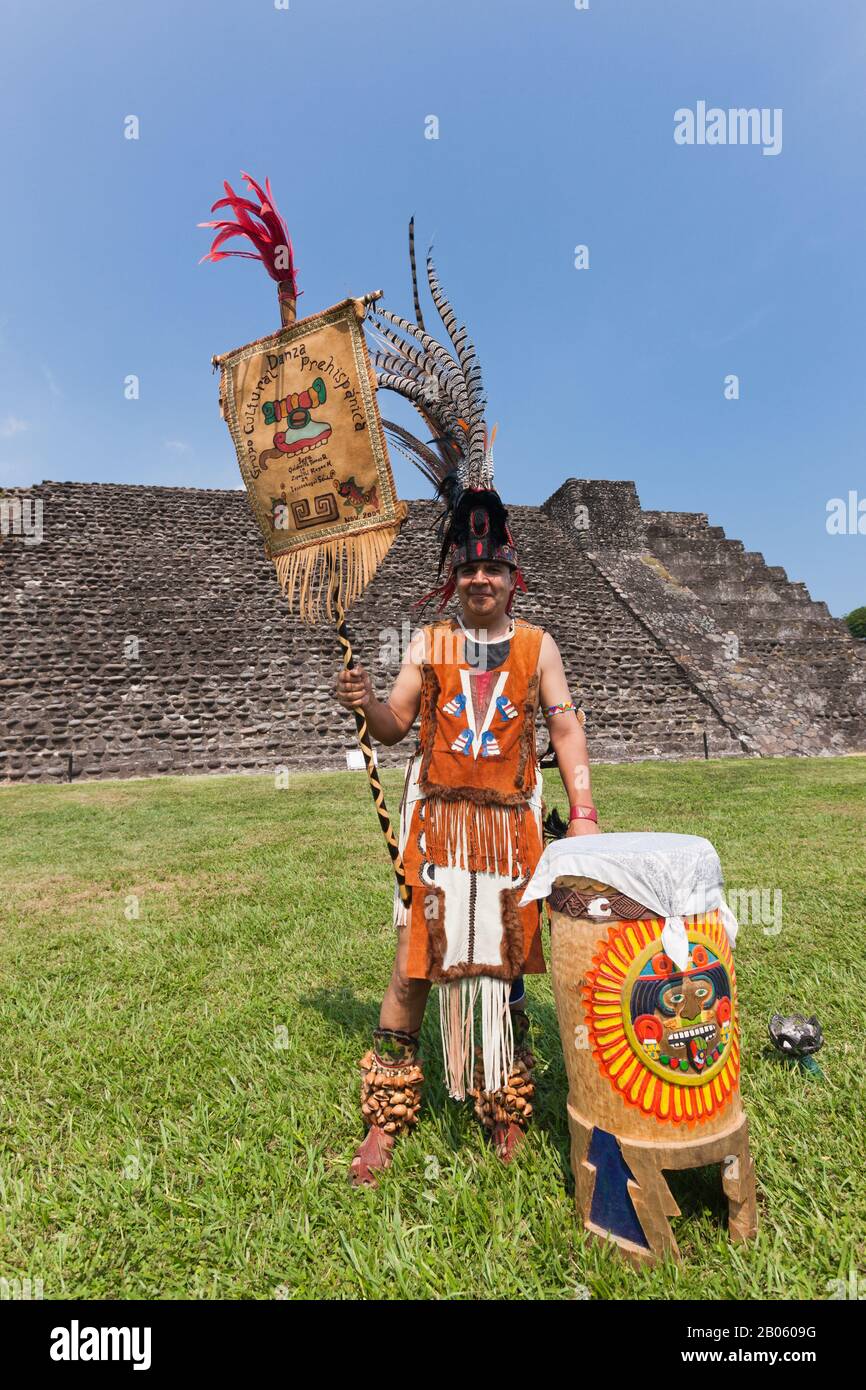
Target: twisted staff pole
column 366, row 747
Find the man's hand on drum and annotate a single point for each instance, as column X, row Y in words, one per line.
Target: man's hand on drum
column 582, row 827
column 354, row 688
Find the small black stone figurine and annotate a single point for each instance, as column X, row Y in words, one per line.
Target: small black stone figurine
column 797, row 1038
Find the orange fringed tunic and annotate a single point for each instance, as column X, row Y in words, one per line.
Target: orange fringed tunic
column 472, row 808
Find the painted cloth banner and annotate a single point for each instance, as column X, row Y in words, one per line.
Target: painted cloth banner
column 301, row 407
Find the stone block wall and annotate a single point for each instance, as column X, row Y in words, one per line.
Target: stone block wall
column 146, row 634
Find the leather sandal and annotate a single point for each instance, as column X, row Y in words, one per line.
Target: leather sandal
column 373, row 1156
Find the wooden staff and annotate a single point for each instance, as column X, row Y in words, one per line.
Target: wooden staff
column 366, row 747
column 288, row 314
column 288, row 302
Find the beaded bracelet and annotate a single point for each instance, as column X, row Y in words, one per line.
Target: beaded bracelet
column 564, row 708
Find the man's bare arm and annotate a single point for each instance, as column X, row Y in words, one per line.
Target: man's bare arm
column 388, row 721
column 566, row 734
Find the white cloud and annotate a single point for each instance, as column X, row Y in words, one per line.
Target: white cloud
column 11, row 426
column 178, row 446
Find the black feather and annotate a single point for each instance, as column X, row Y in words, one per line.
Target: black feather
column 418, row 315
column 555, row 827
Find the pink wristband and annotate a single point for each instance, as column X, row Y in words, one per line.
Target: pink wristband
column 583, row 813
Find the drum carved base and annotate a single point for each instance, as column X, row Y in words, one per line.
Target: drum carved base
column 622, row 1196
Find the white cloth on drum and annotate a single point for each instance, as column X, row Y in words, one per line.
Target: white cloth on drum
column 675, row 876
column 675, row 941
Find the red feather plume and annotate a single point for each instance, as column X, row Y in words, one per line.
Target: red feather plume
column 269, row 235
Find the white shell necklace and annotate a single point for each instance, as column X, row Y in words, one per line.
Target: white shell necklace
column 488, row 641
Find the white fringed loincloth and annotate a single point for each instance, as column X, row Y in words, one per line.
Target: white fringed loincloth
column 461, row 999
column 457, row 1001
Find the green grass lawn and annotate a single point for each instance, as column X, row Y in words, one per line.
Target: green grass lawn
column 180, row 1090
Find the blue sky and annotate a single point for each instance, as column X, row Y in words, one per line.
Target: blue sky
column 555, row 129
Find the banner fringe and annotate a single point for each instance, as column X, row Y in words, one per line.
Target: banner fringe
column 352, row 560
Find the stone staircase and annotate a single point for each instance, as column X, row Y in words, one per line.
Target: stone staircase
column 783, row 676
column 780, row 629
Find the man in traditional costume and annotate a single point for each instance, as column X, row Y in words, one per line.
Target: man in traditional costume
column 471, row 817
column 471, row 814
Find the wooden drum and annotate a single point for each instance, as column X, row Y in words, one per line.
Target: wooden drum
column 652, row 1053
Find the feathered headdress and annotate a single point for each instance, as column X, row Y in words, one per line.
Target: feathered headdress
column 445, row 387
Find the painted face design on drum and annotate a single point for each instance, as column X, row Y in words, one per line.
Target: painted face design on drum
column 681, row 1019
column 665, row 1038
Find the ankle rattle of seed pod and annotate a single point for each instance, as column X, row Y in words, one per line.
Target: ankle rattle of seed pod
column 392, row 1081
column 511, row 1104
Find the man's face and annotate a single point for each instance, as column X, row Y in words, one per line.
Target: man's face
column 483, row 588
